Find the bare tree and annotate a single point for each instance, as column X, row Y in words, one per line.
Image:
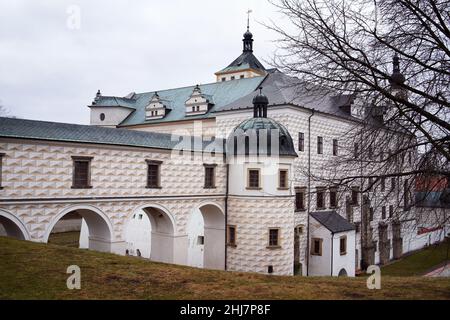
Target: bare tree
column 393, row 58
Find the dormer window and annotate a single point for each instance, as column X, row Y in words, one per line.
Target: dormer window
column 157, row 108
column 198, row 103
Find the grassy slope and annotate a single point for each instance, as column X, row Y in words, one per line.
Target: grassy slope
column 37, row 271
column 419, row 262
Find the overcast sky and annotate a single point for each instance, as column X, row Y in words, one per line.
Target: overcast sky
column 50, row 69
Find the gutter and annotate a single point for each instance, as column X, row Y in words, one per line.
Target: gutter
column 309, row 192
column 332, row 253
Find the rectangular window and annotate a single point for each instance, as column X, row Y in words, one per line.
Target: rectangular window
column 242, row 76
column 300, row 199
column 355, row 196
column 391, row 211
column 201, row 240
column 383, row 212
column 231, row 235
column 316, row 246
column 333, row 197
column 301, row 141
column 393, row 184
column 320, row 198
column 283, row 179
column 1, row 168
column 383, row 184
column 319, row 145
column 81, row 172
column 370, row 214
column 355, row 150
column 210, row 173
column 223, row 79
column 335, row 147
column 274, row 234
column 343, row 245
column 233, row 77
column 253, row 179
column 153, row 174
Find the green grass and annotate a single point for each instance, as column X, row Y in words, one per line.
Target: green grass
column 417, row 263
column 38, row 271
column 68, row 239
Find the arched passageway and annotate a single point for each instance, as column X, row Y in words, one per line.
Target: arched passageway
column 96, row 229
column 150, row 233
column 206, row 237
column 342, row 273
column 12, row 227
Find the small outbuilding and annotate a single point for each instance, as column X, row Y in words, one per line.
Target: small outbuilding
column 332, row 245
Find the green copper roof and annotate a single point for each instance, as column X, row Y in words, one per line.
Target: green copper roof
column 219, row 93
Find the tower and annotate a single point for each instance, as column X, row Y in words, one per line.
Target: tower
column 260, row 154
column 246, row 65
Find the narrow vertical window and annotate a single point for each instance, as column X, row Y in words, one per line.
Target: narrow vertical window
column 320, row 198
column 274, row 240
column 231, row 235
column 1, row 169
column 393, row 184
column 383, row 212
column 210, row 173
column 283, row 179
column 301, row 141
column 370, row 214
column 405, row 195
column 333, row 197
column 355, row 150
column 335, row 147
column 153, row 174
column 343, row 245
column 319, row 145
column 253, row 179
column 391, row 211
column 300, row 199
column 81, row 178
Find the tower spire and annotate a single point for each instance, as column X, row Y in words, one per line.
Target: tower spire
column 248, row 36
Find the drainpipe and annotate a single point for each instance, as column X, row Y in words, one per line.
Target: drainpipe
column 226, row 213
column 332, row 253
column 309, row 192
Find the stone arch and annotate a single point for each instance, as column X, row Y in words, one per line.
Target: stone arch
column 213, row 235
column 98, row 224
column 13, row 226
column 343, row 273
column 163, row 231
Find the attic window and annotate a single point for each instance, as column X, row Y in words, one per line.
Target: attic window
column 102, row 117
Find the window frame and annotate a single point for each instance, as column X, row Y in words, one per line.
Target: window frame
column 313, row 247
column 278, row 244
column 249, row 187
column 87, row 160
column 213, row 178
column 322, row 190
column 157, row 163
column 335, row 147
column 355, row 190
column 229, row 242
column 319, row 145
column 301, row 141
column 302, row 191
column 286, row 186
column 2, row 155
column 333, row 190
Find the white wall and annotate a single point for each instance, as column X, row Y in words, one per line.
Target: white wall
column 195, row 229
column 113, row 115
column 138, row 235
column 346, row 261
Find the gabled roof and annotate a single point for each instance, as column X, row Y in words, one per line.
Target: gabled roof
column 246, row 60
column 333, row 221
column 65, row 132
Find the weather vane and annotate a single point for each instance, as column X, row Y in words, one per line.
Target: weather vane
column 248, row 18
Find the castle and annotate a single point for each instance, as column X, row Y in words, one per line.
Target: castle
column 215, row 176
